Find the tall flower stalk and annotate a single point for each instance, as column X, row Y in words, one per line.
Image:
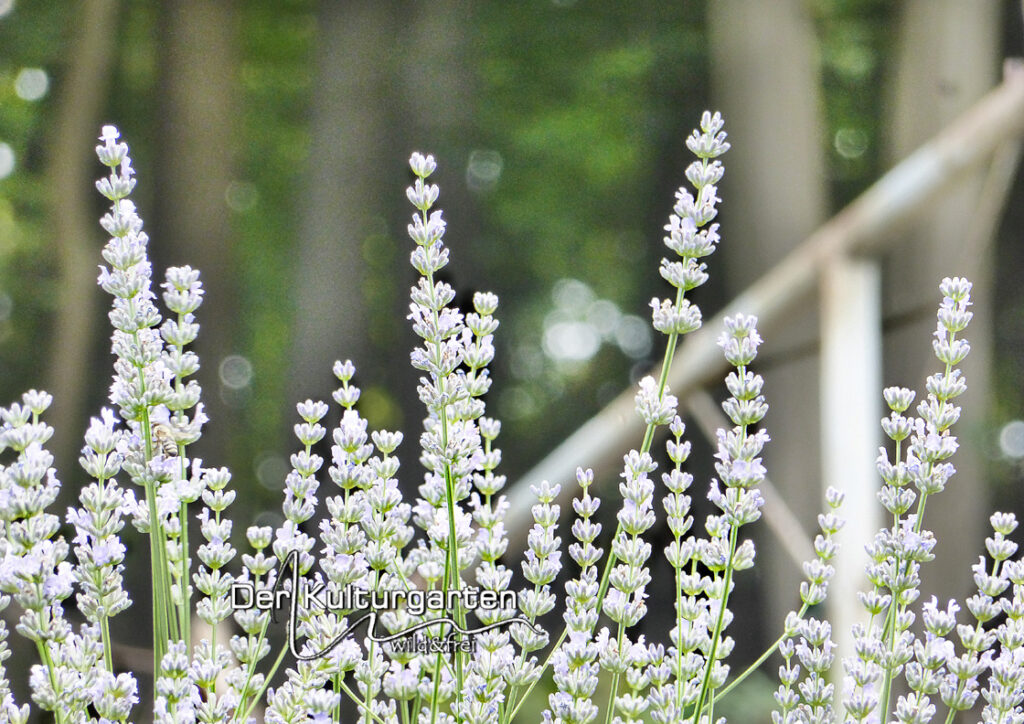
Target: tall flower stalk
column 692, row 236
column 141, row 382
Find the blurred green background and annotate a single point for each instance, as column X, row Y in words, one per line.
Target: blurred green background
column 270, row 141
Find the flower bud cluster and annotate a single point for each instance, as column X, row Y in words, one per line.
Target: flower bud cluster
column 210, row 578
column 183, row 293
column 1005, row 691
column 625, row 603
column 644, row 662
column 387, row 530
column 700, row 642
column 141, row 381
column 627, row 593
column 98, row 547
column 929, row 440
column 925, row 673
column 806, row 700
column 300, row 487
column 575, row 664
column 689, row 235
column 177, row 697
column 819, row 572
column 738, row 463
column 541, row 564
column 342, row 558
column 33, row 569
column 451, row 442
column 667, row 692
column 489, row 671
column 811, row 701
column 886, row 647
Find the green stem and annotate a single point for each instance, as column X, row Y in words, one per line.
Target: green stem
column 543, row 668
column 108, row 654
column 710, row 662
column 160, row 636
column 185, row 607
column 266, row 683
column 645, row 447
column 44, row 656
column 336, row 714
column 434, row 696
column 760, row 660
column 416, row 704
column 453, row 545
column 252, row 666
column 890, row 625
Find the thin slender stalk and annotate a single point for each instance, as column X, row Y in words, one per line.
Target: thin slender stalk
column 108, row 654
column 760, row 660
column 645, row 447
column 44, row 656
column 435, row 694
column 160, row 636
column 266, row 683
column 710, row 662
column 543, row 668
column 184, row 607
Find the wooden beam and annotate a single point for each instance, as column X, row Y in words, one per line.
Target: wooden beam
column 863, row 227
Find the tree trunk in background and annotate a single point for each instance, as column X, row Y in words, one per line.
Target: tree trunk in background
column 436, row 101
column 71, row 168
column 437, row 94
column 199, row 98
column 389, row 80
column 765, row 80
column 947, row 58
column 350, row 176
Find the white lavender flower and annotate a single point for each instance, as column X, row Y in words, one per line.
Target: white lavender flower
column 142, row 380
column 815, row 654
column 574, row 663
column 33, row 569
column 897, row 552
column 98, row 547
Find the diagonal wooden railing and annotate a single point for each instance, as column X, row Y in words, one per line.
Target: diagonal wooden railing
column 861, row 229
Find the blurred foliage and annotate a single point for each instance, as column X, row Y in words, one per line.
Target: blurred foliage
column 579, row 102
column 26, row 269
column 276, row 78
column 855, row 40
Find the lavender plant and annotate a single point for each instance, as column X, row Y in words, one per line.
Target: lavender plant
column 412, row 611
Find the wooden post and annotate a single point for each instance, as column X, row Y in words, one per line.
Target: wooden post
column 851, row 372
